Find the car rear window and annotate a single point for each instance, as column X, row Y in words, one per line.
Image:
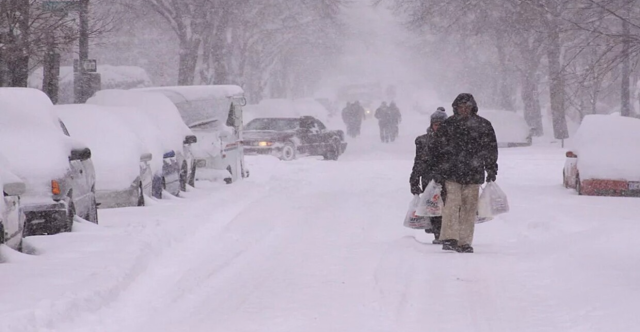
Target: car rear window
column 273, row 124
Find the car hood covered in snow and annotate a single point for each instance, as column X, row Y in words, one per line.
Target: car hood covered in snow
column 607, row 148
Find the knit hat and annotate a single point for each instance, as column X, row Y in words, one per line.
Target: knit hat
column 438, row 116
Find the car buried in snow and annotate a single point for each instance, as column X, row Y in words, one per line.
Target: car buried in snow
column 215, row 115
column 56, row 168
column 172, row 134
column 290, row 138
column 122, row 162
column 599, row 163
column 510, row 127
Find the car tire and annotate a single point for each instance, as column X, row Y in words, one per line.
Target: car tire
column 184, row 174
column 333, row 151
column 71, row 214
column 93, row 211
column 288, row 152
column 140, row 195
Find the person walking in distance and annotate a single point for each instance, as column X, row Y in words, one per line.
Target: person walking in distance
column 462, row 150
column 383, row 115
column 421, row 173
column 395, row 117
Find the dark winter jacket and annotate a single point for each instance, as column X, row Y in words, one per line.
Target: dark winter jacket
column 395, row 117
column 464, row 148
column 422, row 168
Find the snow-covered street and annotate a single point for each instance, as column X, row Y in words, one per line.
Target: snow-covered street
column 311, row 245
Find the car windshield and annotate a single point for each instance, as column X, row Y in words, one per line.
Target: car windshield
column 273, row 124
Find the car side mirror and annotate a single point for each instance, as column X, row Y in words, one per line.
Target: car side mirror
column 80, row 154
column 14, row 188
column 190, row 139
column 571, row 155
column 146, row 157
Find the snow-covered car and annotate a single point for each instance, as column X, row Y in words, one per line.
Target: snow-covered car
column 11, row 215
column 176, row 137
column 600, row 163
column 511, row 128
column 215, row 114
column 56, row 168
column 289, row 138
column 120, row 158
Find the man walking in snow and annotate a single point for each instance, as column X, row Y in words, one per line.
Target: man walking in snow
column 462, row 150
column 395, row 117
column 383, row 115
column 422, row 174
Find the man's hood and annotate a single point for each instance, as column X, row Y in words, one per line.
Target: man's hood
column 465, row 98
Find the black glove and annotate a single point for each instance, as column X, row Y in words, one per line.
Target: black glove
column 491, row 177
column 416, row 190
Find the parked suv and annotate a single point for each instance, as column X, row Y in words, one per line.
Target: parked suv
column 57, row 170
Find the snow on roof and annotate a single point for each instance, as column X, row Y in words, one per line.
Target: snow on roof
column 33, row 140
column 510, row 127
column 160, row 110
column 603, row 149
column 116, row 149
column 179, row 94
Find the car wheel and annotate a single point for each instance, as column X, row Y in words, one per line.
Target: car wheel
column 71, row 214
column 333, row 151
column 93, row 211
column 288, row 152
column 184, row 173
column 140, row 195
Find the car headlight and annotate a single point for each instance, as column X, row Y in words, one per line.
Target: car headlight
column 265, row 144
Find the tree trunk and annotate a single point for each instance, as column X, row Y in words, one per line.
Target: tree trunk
column 531, row 100
column 188, row 60
column 505, row 90
column 625, row 107
column 19, row 72
column 556, row 85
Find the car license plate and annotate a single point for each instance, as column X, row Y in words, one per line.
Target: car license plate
column 634, row 185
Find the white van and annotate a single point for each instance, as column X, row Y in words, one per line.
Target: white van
column 214, row 114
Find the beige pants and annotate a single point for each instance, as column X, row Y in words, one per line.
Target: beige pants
column 459, row 213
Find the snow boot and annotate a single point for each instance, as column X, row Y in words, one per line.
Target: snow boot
column 465, row 249
column 429, row 231
column 436, row 241
column 450, row 245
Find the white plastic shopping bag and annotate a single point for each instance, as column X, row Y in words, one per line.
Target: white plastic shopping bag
column 499, row 202
column 414, row 221
column 484, row 207
column 492, row 202
column 431, row 203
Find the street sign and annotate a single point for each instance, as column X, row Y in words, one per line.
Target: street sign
column 60, row 6
column 89, row 66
